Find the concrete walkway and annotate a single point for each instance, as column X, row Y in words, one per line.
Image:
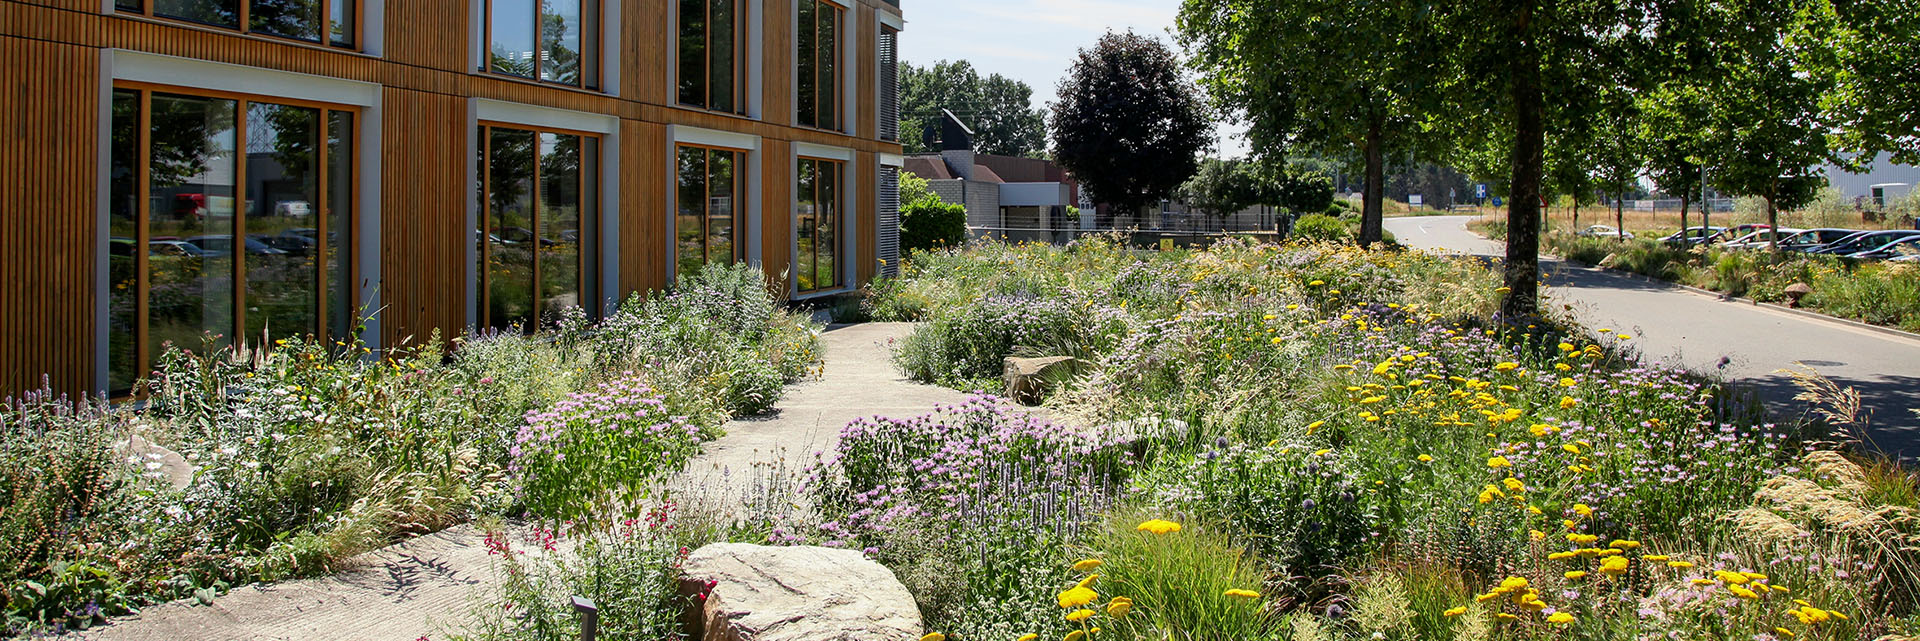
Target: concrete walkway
column 1737, row 341
column 423, row 587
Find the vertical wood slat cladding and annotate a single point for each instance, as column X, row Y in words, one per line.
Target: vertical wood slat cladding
column 777, row 48
column 776, row 206
column 48, row 150
column 39, row 21
column 866, row 171
column 645, row 198
column 427, row 33
column 647, row 39
column 423, row 215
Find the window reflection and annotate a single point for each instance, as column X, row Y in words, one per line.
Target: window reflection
column 534, row 243
column 216, row 202
column 816, row 217
column 815, row 69
column 222, row 13
column 547, row 40
column 333, row 22
column 298, row 19
column 709, row 49
column 707, row 195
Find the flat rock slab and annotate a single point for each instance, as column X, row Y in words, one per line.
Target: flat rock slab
column 748, row 592
column 399, row 593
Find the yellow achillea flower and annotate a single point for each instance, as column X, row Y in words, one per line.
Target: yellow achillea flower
column 1536, row 535
column 1702, row 581
column 934, row 636
column 1028, row 637
column 1077, row 596
column 1087, row 564
column 1561, row 618
column 1506, row 617
column 1582, row 539
column 1679, row 564
column 1244, row 594
column 1582, row 509
column 1732, row 578
column 1784, row 632
column 1743, row 592
column 1498, row 462
column 1077, row 616
column 1567, row 402
column 1426, row 459
column 1314, row 426
column 1118, row 608
column 1075, row 635
column 1454, row 612
column 1513, row 583
column 1321, row 452
column 1624, row 544
column 1159, row 526
column 1576, row 574
column 1506, row 366
column 1654, row 557
column 1558, row 556
column 1086, row 581
column 1514, row 485
column 1614, row 565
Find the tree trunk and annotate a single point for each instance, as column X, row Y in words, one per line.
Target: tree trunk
column 1372, row 202
column 1620, row 215
column 1522, row 272
column 1773, row 226
column 1683, row 218
column 1576, row 212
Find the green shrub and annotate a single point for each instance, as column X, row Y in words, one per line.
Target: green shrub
column 1316, row 227
column 590, row 458
column 969, row 348
column 926, row 222
column 62, row 490
column 1179, row 583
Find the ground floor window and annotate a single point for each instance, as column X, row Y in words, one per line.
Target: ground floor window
column 228, row 216
column 816, row 216
column 706, row 222
column 539, row 192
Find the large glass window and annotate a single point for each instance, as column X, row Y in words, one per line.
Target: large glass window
column 540, row 191
column 816, row 217
column 332, row 22
column 818, row 58
column 707, row 195
column 710, row 53
column 227, row 217
column 547, row 40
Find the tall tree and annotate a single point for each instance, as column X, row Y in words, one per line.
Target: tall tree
column 1616, row 155
column 1520, row 66
column 1767, row 130
column 1127, row 124
column 1672, row 119
column 998, row 109
column 1875, row 69
column 1322, row 76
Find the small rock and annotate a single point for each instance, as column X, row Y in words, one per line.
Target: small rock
column 1028, row 379
column 745, row 592
column 1610, row 260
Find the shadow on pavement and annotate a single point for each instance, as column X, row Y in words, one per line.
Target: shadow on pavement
column 1894, row 429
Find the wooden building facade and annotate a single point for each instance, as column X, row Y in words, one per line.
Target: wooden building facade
column 272, row 168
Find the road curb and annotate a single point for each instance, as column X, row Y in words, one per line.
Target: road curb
column 1898, row 333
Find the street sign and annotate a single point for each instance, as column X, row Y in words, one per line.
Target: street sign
column 1413, row 199
column 1480, row 190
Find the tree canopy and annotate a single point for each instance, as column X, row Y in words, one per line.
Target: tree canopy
column 1322, row 76
column 996, row 108
column 1127, row 124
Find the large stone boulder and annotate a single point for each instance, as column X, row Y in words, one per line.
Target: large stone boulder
column 1029, row 379
column 745, row 592
column 157, row 462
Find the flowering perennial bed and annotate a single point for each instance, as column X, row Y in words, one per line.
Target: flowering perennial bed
column 1360, row 451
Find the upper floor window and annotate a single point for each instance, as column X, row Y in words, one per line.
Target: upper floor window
column 539, row 191
column 546, row 40
column 889, row 83
column 330, row 22
column 711, row 52
column 818, row 56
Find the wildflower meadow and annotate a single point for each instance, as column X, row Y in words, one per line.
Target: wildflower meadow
column 1321, row 442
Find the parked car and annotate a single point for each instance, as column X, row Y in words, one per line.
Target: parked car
column 1761, row 239
column 291, row 244
column 1730, row 233
column 1895, row 248
column 223, row 246
column 522, row 235
column 1691, row 236
column 1862, row 241
column 171, row 247
column 1603, row 231
column 1812, row 238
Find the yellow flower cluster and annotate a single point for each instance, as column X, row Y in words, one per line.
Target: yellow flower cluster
column 1519, row 593
column 1076, row 599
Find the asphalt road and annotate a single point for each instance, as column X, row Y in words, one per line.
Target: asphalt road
column 1737, row 341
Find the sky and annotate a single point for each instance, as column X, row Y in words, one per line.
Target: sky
column 1033, row 41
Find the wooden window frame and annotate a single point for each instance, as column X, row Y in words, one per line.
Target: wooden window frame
column 740, row 24
column 592, row 54
column 831, row 120
column 589, row 301
column 706, row 214
column 839, row 191
column 358, row 33
column 143, row 213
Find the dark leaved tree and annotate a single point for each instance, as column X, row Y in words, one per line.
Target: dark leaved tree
column 1126, row 123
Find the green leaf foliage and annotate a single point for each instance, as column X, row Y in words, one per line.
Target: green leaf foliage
column 997, row 108
column 1127, row 124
